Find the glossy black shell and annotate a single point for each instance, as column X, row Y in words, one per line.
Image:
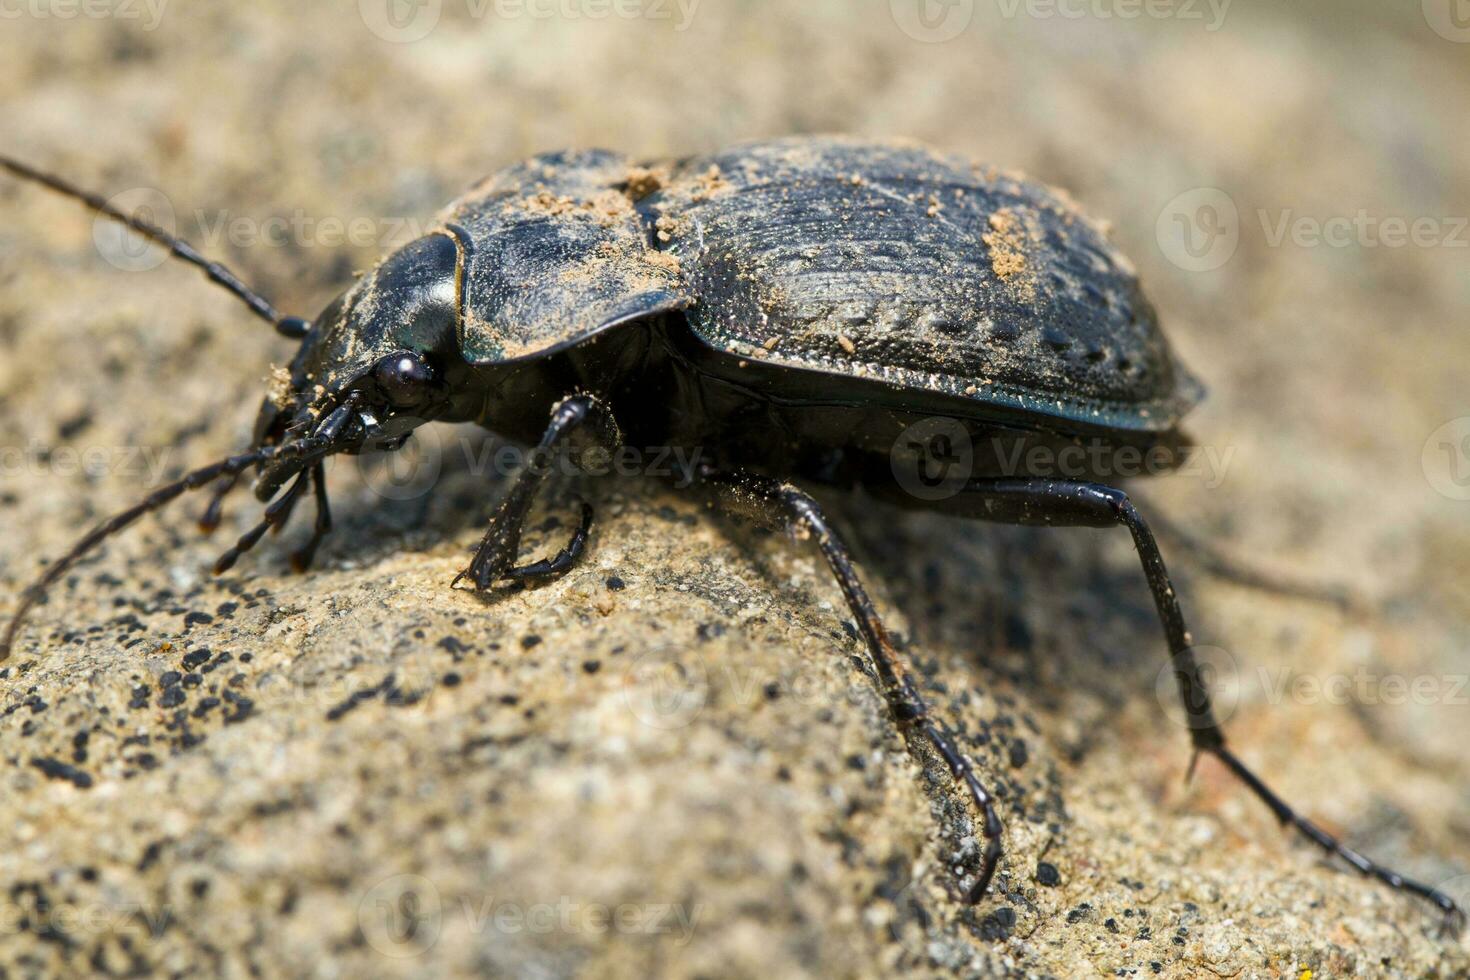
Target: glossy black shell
column 808, row 273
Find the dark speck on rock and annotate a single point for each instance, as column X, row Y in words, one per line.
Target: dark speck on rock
column 197, row 619
column 1018, row 634
column 529, row 640
column 172, row 697
column 453, row 644
column 451, row 679
column 56, row 769
column 616, row 584
column 1047, row 874
column 998, row 924
column 169, row 678
column 591, row 666
column 1018, row 753
column 151, row 853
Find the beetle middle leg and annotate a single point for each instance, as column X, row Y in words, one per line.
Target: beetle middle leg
column 1058, row 503
column 783, row 506
column 578, row 423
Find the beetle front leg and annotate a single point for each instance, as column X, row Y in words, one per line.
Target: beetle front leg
column 1061, row 503
column 578, row 423
column 778, row 506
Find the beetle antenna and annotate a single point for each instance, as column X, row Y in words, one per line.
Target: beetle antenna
column 288, row 326
column 154, row 501
column 230, row 466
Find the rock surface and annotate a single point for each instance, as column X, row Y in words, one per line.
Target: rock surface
column 671, row 762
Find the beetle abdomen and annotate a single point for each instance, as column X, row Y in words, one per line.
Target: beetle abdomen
column 890, row 262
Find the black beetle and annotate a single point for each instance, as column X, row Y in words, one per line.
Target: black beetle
column 796, row 309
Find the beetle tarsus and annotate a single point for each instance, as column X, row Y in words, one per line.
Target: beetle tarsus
column 565, row 559
column 495, row 557
column 209, row 520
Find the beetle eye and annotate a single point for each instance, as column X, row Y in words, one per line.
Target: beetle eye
column 403, row 378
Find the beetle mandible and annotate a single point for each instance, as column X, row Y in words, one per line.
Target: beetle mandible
column 794, row 309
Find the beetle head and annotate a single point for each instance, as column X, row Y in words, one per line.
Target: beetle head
column 370, row 370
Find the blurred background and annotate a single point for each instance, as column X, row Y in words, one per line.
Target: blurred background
column 1293, row 183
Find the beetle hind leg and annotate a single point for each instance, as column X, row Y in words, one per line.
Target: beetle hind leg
column 1058, row 503
column 782, row 506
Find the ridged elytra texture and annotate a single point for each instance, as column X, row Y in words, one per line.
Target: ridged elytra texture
column 891, row 262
